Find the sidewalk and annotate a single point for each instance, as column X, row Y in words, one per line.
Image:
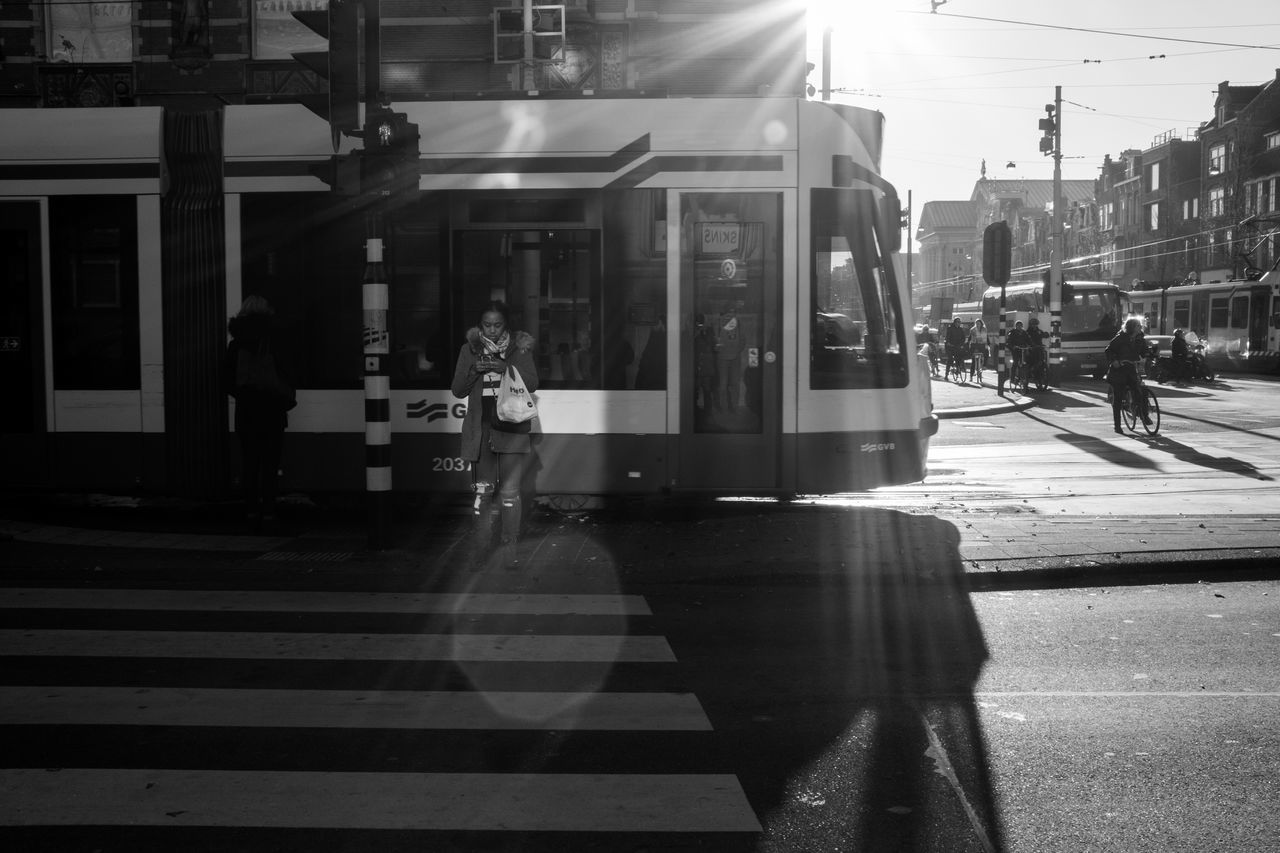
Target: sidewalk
column 674, row 535
column 971, row 399
column 681, row 540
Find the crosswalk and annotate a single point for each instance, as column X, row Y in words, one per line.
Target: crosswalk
column 451, row 717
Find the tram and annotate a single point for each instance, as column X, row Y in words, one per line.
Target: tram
column 1091, row 315
column 1237, row 322
column 629, row 236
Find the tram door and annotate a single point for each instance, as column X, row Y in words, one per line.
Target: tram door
column 23, row 425
column 730, row 346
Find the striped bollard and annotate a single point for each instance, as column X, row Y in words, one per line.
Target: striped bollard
column 377, row 393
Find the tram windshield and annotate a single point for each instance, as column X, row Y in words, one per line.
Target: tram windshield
column 857, row 338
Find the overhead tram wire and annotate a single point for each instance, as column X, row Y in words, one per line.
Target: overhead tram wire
column 1098, row 32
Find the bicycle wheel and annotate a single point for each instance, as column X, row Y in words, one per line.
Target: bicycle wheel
column 1153, row 412
column 1127, row 412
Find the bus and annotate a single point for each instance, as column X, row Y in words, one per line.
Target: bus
column 1237, row 322
column 627, row 240
column 1091, row 315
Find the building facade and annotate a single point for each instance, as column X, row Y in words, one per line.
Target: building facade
column 192, row 54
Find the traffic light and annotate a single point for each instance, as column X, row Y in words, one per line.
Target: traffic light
column 339, row 65
column 997, row 252
column 389, row 163
column 1049, row 127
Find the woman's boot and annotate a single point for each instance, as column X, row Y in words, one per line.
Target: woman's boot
column 482, row 515
column 510, row 531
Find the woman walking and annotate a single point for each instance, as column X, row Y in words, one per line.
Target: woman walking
column 497, row 450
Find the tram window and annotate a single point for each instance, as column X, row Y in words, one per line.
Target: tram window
column 1240, row 312
column 1218, row 313
column 856, row 339
column 305, row 253
column 95, row 292
column 421, row 346
column 730, row 266
column 1181, row 313
column 634, row 352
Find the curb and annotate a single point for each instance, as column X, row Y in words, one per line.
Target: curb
column 1015, row 404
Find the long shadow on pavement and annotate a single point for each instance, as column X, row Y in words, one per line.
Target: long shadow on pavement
column 835, row 653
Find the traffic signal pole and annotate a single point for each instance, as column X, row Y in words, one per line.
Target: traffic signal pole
column 1056, row 248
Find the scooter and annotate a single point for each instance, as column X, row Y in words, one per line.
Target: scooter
column 1162, row 369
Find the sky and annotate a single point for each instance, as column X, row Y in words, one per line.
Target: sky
column 970, row 81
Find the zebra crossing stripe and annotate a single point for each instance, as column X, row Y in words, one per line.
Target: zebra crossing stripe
column 568, row 648
column 553, row 802
column 324, row 602
column 350, row 709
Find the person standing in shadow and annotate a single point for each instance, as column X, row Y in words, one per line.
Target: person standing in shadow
column 253, row 376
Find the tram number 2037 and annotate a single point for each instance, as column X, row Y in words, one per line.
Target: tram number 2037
column 449, row 463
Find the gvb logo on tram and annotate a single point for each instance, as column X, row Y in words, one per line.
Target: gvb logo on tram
column 435, row 411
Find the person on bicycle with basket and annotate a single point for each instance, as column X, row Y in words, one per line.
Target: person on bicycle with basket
column 1124, row 352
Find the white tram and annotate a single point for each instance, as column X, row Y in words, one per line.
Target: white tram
column 1238, row 322
column 627, row 235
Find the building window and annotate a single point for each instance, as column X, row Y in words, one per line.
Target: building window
column 1153, row 217
column 1191, row 208
column 1153, row 177
column 90, row 32
column 1217, row 202
column 278, row 35
column 1217, row 158
column 1273, row 140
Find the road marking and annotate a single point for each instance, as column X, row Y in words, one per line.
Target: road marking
column 555, row 802
column 18, row 642
column 288, row 601
column 354, row 709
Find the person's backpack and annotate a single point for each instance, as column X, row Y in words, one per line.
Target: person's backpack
column 256, row 371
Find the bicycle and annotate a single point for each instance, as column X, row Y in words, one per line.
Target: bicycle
column 957, row 367
column 1025, row 373
column 1129, row 410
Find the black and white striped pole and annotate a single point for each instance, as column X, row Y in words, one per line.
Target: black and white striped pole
column 377, row 390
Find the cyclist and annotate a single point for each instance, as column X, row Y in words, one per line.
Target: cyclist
column 977, row 349
column 1124, row 352
column 955, row 342
column 1018, row 343
column 1035, row 338
column 1179, row 355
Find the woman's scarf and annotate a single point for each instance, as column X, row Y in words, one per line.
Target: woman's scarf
column 499, row 346
column 489, row 386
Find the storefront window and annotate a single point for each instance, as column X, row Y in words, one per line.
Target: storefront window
column 90, row 32
column 278, row 35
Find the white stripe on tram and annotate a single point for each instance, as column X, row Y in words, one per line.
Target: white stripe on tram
column 553, row 802
column 324, row 602
column 352, row 709
column 568, row 648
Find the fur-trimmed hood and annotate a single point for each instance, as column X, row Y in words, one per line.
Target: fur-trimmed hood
column 522, row 341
